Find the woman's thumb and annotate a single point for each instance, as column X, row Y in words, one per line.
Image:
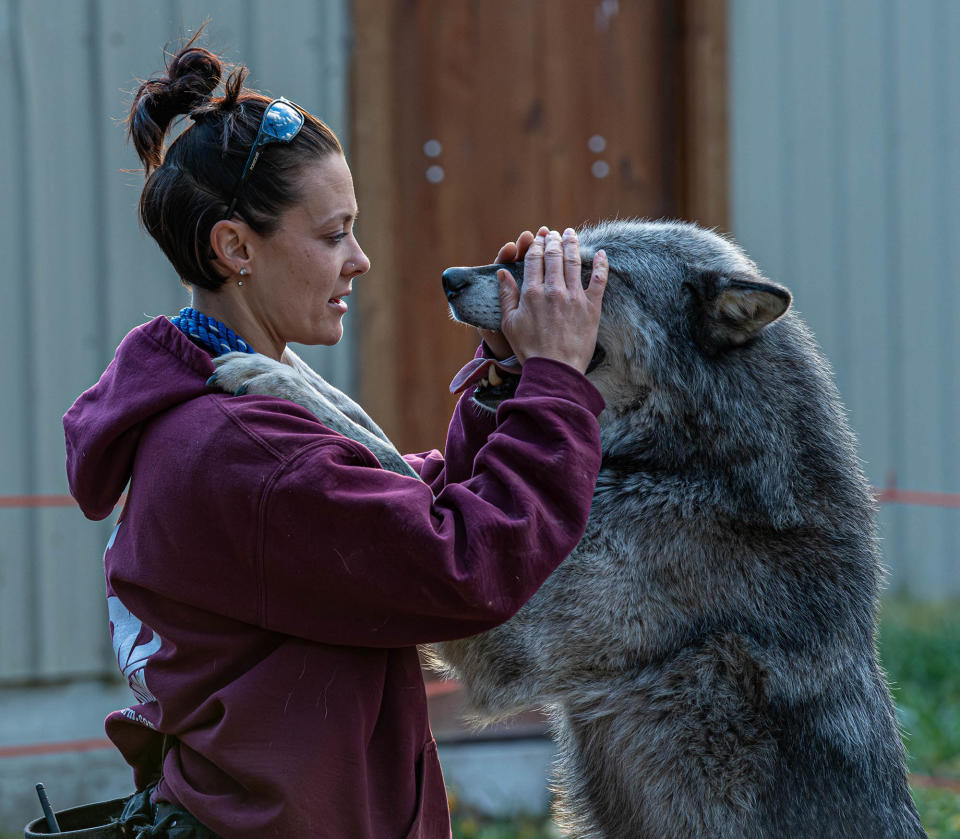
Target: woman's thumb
column 509, row 293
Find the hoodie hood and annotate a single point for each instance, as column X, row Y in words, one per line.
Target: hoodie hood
column 155, row 368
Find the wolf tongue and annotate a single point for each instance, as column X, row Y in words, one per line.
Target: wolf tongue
column 477, row 368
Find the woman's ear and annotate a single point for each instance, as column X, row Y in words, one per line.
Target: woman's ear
column 229, row 240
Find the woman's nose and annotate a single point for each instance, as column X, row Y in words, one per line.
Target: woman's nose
column 360, row 264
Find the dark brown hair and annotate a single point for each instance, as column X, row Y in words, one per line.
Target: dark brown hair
column 190, row 185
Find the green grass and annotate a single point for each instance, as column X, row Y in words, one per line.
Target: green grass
column 471, row 826
column 920, row 652
column 940, row 811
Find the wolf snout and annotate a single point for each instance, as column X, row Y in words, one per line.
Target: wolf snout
column 455, row 280
column 458, row 280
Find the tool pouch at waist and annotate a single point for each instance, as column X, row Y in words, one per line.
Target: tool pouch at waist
column 123, row 818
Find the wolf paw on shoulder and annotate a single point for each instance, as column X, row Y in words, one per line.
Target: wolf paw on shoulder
column 246, row 373
column 253, row 374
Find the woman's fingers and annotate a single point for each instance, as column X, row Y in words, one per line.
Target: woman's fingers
column 598, row 280
column 508, row 253
column 571, row 260
column 524, row 240
column 516, row 251
column 553, row 261
column 553, row 316
column 533, row 261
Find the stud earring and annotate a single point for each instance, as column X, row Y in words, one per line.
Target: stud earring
column 243, row 273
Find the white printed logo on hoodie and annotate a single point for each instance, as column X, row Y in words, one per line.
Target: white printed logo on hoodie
column 126, row 629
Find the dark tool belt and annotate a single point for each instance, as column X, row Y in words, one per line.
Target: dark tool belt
column 123, row 818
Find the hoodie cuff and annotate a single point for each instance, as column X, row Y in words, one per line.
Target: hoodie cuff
column 546, row 377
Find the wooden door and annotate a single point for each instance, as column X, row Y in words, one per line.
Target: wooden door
column 476, row 119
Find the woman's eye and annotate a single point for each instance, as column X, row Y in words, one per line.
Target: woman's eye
column 337, row 237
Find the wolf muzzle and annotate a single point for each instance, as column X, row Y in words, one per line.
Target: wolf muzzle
column 458, row 280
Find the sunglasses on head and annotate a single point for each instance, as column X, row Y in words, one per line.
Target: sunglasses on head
column 280, row 123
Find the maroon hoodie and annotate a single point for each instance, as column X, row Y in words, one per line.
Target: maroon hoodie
column 267, row 582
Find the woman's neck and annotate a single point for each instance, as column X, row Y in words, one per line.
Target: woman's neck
column 229, row 306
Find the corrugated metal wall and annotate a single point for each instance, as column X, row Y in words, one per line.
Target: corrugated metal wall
column 845, row 173
column 78, row 273
column 845, row 176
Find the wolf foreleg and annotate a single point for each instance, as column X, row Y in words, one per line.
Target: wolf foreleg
column 261, row 375
column 334, row 396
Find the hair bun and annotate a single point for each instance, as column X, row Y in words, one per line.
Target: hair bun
column 192, row 76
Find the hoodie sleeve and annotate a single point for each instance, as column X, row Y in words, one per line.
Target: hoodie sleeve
column 360, row 556
column 469, row 429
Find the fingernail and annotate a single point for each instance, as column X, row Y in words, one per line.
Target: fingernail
column 568, row 233
column 602, row 254
column 212, row 380
column 240, row 391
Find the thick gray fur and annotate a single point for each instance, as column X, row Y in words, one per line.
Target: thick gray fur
column 706, row 653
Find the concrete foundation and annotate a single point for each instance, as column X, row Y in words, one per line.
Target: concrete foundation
column 497, row 777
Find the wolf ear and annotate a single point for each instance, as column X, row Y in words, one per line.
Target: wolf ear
column 728, row 311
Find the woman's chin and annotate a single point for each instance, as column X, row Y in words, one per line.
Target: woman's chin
column 329, row 337
column 320, row 332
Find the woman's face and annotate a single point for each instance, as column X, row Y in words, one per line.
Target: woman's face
column 302, row 273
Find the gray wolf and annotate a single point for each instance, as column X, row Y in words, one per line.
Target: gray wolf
column 706, row 654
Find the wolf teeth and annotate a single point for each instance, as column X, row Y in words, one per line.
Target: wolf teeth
column 494, row 377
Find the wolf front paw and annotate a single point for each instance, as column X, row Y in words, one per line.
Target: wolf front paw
column 239, row 373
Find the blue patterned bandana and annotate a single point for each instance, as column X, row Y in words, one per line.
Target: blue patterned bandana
column 213, row 336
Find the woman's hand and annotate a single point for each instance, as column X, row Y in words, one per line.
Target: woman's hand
column 553, row 316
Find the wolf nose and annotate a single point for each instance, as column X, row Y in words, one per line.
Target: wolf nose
column 455, row 280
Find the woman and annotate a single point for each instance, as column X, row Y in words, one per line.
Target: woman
column 267, row 580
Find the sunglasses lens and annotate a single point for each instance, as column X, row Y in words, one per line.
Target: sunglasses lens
column 281, row 123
